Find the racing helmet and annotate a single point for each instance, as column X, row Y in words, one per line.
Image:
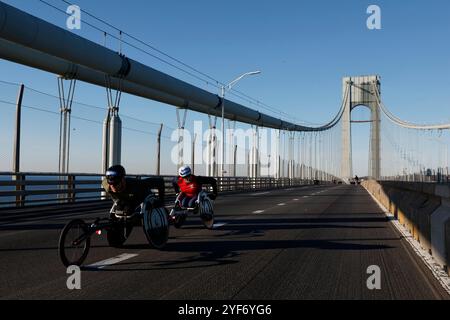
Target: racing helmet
column 184, row 171
column 115, row 174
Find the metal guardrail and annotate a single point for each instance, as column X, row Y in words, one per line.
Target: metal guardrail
column 31, row 188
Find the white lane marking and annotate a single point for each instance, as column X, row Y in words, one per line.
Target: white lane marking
column 295, row 199
column 258, row 211
column 282, row 204
column 428, row 259
column 111, row 261
column 305, row 196
column 260, row 193
column 218, row 225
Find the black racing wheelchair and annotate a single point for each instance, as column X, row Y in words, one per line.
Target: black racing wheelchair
column 75, row 238
column 203, row 206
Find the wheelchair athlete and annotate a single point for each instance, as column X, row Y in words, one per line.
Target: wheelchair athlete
column 188, row 187
column 129, row 193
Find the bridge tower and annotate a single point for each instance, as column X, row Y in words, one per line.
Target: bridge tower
column 359, row 91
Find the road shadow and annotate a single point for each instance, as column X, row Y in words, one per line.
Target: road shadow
column 219, row 253
column 201, row 260
column 259, row 225
column 249, row 245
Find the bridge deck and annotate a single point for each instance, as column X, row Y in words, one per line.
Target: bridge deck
column 316, row 247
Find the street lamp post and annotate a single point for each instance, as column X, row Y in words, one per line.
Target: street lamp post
column 225, row 88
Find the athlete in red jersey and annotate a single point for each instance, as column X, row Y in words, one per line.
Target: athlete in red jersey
column 189, row 186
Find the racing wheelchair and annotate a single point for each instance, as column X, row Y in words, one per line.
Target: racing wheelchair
column 75, row 238
column 203, row 206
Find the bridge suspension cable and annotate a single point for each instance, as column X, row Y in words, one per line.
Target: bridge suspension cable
column 203, row 77
column 396, row 120
column 413, row 152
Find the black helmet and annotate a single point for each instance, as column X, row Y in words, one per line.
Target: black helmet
column 115, row 174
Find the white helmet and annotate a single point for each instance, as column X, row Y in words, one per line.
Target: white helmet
column 184, row 171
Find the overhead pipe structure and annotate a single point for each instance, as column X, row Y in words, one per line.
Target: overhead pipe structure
column 34, row 42
column 36, row 59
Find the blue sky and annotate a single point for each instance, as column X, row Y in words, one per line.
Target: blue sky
column 303, row 49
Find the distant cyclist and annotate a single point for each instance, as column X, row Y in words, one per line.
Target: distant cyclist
column 188, row 186
column 129, row 193
column 356, row 180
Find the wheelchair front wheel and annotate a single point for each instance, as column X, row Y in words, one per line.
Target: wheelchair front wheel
column 207, row 213
column 74, row 243
column 156, row 226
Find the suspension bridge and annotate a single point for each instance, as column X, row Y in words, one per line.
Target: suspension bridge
column 292, row 222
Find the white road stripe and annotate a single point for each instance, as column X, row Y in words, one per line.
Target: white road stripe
column 282, row 204
column 305, row 196
column 295, row 199
column 258, row 211
column 111, row 261
column 260, row 193
column 218, row 225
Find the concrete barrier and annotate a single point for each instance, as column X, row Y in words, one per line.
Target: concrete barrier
column 447, row 244
column 424, row 210
column 423, row 219
column 438, row 237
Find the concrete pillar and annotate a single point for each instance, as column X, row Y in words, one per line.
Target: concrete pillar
column 158, row 148
column 234, row 160
column 277, row 160
column 346, row 161
column 211, row 168
column 16, row 150
column 375, row 138
column 112, row 129
column 105, row 142
column 254, row 158
column 360, row 91
column 181, row 122
column 115, row 138
column 66, row 99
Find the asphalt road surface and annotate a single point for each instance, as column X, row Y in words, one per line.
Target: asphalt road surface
column 314, row 242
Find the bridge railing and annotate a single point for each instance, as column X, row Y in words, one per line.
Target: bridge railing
column 433, row 176
column 31, row 188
